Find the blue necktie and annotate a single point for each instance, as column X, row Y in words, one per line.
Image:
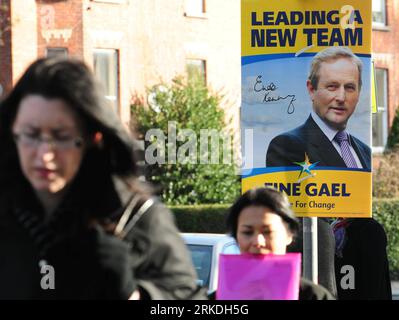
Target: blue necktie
column 343, row 140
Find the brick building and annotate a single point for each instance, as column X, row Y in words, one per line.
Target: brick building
column 385, row 47
column 133, row 44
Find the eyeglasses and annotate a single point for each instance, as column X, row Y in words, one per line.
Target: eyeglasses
column 59, row 143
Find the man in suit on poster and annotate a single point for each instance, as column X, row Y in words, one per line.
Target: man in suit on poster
column 334, row 85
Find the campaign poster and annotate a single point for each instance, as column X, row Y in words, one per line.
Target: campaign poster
column 306, row 103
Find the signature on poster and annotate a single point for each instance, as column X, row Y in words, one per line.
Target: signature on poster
column 269, row 96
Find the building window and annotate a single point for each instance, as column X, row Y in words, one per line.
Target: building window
column 195, row 8
column 196, row 69
column 379, row 13
column 380, row 119
column 106, row 68
column 57, row 52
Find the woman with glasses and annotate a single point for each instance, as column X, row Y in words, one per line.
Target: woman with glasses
column 74, row 221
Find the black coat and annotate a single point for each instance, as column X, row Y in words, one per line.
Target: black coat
column 365, row 251
column 159, row 259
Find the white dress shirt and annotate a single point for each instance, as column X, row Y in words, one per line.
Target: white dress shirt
column 330, row 134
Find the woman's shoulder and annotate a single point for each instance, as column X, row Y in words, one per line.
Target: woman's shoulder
column 153, row 211
column 311, row 291
column 147, row 215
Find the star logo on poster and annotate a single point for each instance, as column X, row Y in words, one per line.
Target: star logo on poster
column 306, row 166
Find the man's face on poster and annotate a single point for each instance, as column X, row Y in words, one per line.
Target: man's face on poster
column 337, row 92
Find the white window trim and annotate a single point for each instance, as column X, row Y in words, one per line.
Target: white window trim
column 110, row 1
column 381, row 25
column 113, row 98
column 384, row 110
column 205, row 64
column 197, row 15
column 201, row 15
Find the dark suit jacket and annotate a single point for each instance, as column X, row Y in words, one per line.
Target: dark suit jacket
column 291, row 146
column 365, row 250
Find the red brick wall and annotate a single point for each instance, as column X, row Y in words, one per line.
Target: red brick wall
column 154, row 38
column 60, row 24
column 385, row 47
column 5, row 48
column 20, row 42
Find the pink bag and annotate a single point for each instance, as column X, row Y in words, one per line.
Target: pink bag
column 259, row 277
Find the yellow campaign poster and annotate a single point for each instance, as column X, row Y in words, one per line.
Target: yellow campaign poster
column 306, row 103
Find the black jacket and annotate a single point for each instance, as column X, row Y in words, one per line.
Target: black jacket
column 159, row 259
column 365, row 251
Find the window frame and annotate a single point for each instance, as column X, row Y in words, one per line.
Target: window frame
column 64, row 50
column 204, row 64
column 110, row 1
column 113, row 100
column 383, row 110
column 193, row 14
column 384, row 23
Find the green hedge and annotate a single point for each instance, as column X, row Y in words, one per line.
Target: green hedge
column 386, row 211
column 201, row 218
column 211, row 218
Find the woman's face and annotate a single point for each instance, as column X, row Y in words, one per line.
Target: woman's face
column 260, row 231
column 49, row 141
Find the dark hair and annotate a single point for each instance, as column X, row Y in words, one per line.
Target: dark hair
column 73, row 82
column 265, row 197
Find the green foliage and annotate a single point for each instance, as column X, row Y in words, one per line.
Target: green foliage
column 386, row 175
column 201, row 218
column 386, row 212
column 212, row 219
column 393, row 138
column 189, row 106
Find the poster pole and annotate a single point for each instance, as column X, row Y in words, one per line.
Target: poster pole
column 310, row 250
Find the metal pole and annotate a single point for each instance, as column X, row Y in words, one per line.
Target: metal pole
column 310, row 256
